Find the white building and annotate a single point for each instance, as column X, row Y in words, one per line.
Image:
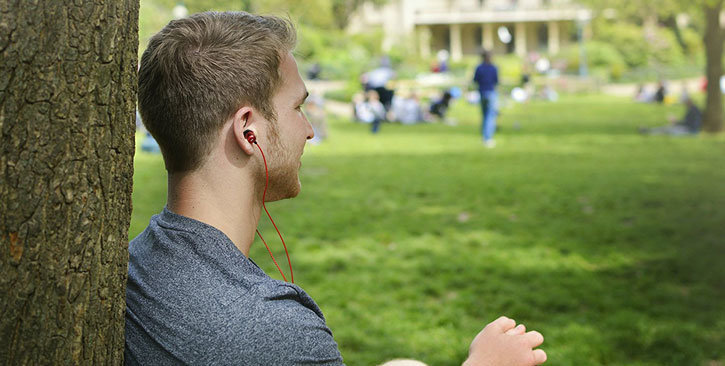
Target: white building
column 464, row 27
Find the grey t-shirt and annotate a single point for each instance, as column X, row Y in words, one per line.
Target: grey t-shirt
column 194, row 298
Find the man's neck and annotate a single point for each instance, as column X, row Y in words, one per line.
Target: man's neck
column 217, row 201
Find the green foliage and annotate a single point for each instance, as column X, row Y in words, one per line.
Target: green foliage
column 601, row 57
column 694, row 48
column 406, row 61
column 316, row 13
column 152, row 17
column 606, row 241
column 628, row 40
column 654, row 52
column 509, row 68
column 343, row 9
column 321, row 13
column 663, row 47
column 341, row 56
column 641, row 49
column 637, row 10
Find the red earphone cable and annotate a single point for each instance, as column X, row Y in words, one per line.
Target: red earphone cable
column 266, row 183
column 271, row 255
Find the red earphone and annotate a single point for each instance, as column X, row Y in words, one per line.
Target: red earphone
column 252, row 139
column 249, row 135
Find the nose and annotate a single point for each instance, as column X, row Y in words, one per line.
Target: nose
column 310, row 130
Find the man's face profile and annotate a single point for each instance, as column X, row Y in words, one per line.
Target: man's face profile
column 288, row 134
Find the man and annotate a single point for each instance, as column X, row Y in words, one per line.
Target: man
column 193, row 295
column 486, row 76
column 377, row 79
column 689, row 124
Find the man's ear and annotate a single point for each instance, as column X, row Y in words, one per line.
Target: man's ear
column 244, row 120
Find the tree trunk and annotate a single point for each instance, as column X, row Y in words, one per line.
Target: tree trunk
column 67, row 99
column 714, row 38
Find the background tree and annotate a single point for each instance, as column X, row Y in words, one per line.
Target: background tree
column 321, row 43
column 343, row 9
column 705, row 16
column 714, row 38
column 320, row 13
column 67, row 92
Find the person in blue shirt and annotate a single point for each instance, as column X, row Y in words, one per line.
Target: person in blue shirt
column 486, row 76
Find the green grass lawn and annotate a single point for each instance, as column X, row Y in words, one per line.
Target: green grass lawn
column 610, row 243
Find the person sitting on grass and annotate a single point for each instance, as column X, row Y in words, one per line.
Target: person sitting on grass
column 407, row 110
column 439, row 108
column 370, row 110
column 218, row 91
column 689, row 124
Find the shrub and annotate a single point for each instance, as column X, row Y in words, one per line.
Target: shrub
column 341, row 56
column 639, row 49
column 664, row 49
column 602, row 58
column 626, row 38
column 693, row 45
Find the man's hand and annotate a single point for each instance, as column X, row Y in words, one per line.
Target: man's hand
column 502, row 343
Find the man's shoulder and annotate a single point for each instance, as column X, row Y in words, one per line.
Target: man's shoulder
column 287, row 326
column 189, row 298
column 264, row 307
column 271, row 324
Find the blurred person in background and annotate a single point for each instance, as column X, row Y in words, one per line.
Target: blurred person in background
column 486, row 76
column 441, row 63
column 313, row 73
column 378, row 78
column 315, row 111
column 439, row 107
column 407, row 110
column 689, row 124
column 370, row 110
column 661, row 93
column 641, row 95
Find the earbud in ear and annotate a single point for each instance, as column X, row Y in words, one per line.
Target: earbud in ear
column 249, row 135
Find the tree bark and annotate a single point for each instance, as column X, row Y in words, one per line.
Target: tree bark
column 67, row 99
column 714, row 38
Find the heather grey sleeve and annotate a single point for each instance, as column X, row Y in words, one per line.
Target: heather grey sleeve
column 285, row 331
column 194, row 299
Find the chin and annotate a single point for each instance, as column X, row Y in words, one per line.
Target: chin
column 292, row 191
column 295, row 191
